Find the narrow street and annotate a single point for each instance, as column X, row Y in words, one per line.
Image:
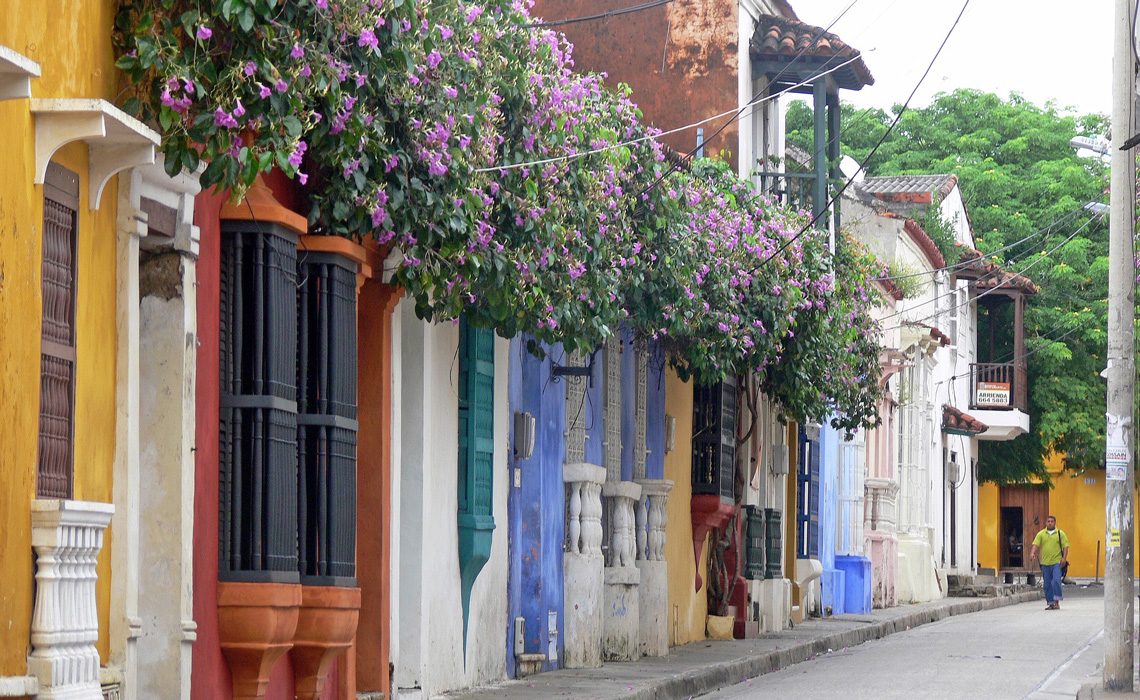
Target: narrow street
column 1020, row 651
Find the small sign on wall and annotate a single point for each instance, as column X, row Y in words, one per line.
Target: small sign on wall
column 991, row 394
column 1116, row 447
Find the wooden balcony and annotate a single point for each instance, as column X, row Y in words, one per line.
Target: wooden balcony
column 998, row 386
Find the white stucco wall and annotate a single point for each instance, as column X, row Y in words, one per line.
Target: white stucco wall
column 430, row 654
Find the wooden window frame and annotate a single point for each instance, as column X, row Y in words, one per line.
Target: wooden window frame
column 61, row 188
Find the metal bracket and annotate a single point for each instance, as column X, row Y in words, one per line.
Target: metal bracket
column 586, row 370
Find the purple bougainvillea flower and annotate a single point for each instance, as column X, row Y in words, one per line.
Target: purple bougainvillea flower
column 264, row 92
column 281, row 85
column 250, row 69
column 204, row 33
column 368, row 38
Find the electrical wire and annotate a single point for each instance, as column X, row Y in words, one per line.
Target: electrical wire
column 735, row 112
column 956, row 266
column 757, row 99
column 601, row 15
column 653, row 137
column 1022, row 271
column 878, row 144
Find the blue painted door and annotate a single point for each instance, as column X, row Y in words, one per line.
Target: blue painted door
column 807, row 498
column 535, row 510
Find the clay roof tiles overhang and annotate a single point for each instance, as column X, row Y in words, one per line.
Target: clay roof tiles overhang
column 911, row 189
column 925, row 243
column 973, row 265
column 956, row 422
column 786, row 41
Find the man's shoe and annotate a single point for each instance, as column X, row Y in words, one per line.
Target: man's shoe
column 1057, row 605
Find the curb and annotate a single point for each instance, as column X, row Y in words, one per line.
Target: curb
column 729, row 673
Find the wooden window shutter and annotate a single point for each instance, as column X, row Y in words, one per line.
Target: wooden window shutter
column 55, row 459
column 475, row 518
column 714, row 439
column 612, row 419
column 326, row 418
column 476, row 419
column 575, row 411
column 807, row 507
column 258, row 421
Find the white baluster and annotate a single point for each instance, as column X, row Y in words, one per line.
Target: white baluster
column 67, row 537
column 657, row 526
column 642, row 527
column 574, row 526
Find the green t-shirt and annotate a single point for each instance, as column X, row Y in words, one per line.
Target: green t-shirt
column 1049, row 546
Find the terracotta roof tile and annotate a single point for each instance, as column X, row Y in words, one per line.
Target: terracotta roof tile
column 973, row 265
column 955, row 420
column 923, row 240
column 935, row 334
column 780, row 39
column 914, row 189
column 890, row 288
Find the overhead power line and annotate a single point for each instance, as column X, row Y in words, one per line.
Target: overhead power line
column 878, row 144
column 601, row 15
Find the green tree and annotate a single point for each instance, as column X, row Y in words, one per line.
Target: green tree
column 1019, row 178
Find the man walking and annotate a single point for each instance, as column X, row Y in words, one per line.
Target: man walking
column 1053, row 546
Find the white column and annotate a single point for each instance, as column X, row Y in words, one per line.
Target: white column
column 125, row 624
column 582, row 565
column 653, row 591
column 66, row 537
column 167, row 361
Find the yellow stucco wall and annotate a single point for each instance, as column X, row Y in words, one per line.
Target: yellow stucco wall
column 72, row 43
column 989, row 525
column 1077, row 500
column 688, row 608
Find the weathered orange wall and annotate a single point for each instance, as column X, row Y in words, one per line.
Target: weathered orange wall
column 374, row 485
column 680, row 59
column 72, row 43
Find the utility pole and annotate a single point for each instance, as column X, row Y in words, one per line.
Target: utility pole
column 1119, row 478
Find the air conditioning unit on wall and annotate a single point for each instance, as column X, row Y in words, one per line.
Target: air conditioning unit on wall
column 779, row 460
column 953, row 472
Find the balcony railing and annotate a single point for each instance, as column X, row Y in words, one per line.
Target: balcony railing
column 998, row 386
column 790, row 189
column 797, row 190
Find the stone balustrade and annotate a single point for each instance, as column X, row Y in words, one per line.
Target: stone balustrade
column 652, row 518
column 582, row 565
column 67, row 537
column 881, row 505
column 583, row 508
column 621, row 501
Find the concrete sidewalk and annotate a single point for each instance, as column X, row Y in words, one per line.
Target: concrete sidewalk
column 701, row 667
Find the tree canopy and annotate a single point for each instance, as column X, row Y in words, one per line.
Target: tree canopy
column 1020, row 180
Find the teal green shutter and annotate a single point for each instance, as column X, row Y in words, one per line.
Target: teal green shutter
column 476, row 454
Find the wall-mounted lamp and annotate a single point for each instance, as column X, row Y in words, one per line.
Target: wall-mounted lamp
column 524, row 435
column 670, row 433
column 586, row 370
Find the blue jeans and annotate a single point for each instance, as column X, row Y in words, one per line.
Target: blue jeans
column 1051, row 578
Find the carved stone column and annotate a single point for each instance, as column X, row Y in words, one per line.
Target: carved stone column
column 582, row 565
column 620, row 641
column 67, row 537
column 653, row 593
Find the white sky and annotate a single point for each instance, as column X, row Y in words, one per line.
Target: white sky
column 1043, row 49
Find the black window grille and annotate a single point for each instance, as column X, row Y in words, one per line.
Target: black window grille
column 55, row 458
column 258, row 422
column 714, row 439
column 326, row 417
column 754, row 543
column 773, row 543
